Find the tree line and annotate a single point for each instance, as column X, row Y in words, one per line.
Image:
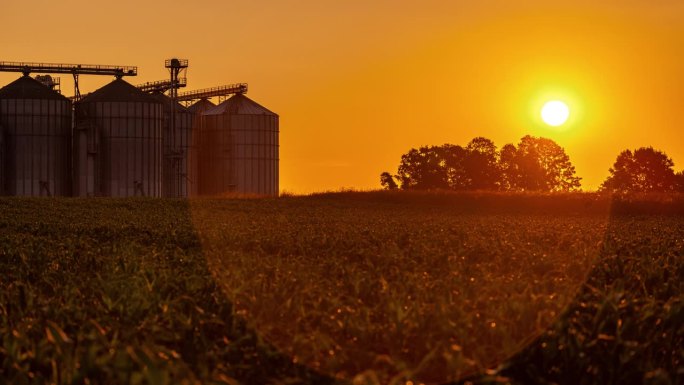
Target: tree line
column 534, row 164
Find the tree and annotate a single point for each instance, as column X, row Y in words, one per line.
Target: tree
column 680, row 181
column 441, row 167
column 456, row 173
column 422, row 169
column 481, row 165
column 387, row 181
column 508, row 167
column 644, row 170
column 537, row 164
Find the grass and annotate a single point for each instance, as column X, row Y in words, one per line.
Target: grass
column 117, row 291
column 361, row 287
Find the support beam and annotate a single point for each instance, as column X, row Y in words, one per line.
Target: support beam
column 162, row 85
column 81, row 69
column 239, row 88
column 74, row 69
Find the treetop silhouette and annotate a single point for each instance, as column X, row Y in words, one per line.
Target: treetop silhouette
column 536, row 164
column 643, row 170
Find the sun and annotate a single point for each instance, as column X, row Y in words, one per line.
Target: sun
column 555, row 113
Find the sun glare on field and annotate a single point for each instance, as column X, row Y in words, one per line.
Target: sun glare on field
column 555, row 113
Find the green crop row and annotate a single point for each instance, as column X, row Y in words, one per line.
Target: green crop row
column 350, row 287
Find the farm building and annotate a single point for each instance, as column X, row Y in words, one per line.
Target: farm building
column 124, row 140
column 238, row 148
column 118, row 142
column 35, row 140
column 179, row 175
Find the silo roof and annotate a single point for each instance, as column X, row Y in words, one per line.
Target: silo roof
column 201, row 105
column 119, row 91
column 239, row 104
column 167, row 102
column 27, row 87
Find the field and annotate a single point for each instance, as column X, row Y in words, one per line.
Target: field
column 356, row 288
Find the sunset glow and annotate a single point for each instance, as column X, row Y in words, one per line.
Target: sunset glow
column 344, row 191
column 555, row 113
column 358, row 84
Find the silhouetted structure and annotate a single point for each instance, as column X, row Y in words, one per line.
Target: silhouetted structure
column 127, row 141
column 200, row 106
column 35, row 140
column 179, row 178
column 51, row 82
column 118, row 141
column 74, row 69
column 161, row 86
column 238, row 148
column 220, row 91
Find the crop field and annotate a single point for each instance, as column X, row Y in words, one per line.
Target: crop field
column 358, row 288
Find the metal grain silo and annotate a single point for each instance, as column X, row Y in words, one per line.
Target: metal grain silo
column 178, row 144
column 35, row 140
column 238, row 150
column 200, row 106
column 118, row 139
column 196, row 111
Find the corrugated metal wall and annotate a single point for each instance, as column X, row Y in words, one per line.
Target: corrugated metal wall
column 256, row 153
column 178, row 144
column 124, row 144
column 36, row 145
column 119, row 148
column 238, row 150
column 215, row 156
column 196, row 111
column 86, row 149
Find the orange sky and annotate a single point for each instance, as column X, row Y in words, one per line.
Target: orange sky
column 358, row 83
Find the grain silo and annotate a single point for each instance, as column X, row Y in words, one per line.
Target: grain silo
column 118, row 140
column 35, row 140
column 178, row 144
column 196, row 111
column 238, row 150
column 200, row 106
